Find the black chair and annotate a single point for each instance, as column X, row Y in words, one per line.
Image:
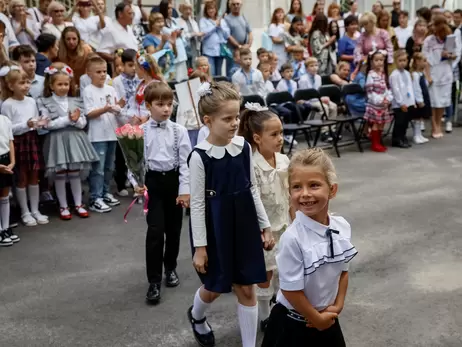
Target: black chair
column 221, row 79
column 172, row 84
column 325, row 80
column 275, row 84
column 253, row 98
column 343, row 119
column 279, row 98
column 317, row 124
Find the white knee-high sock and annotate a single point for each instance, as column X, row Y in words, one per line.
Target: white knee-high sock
column 248, row 323
column 4, row 213
column 33, row 192
column 60, row 188
column 76, row 187
column 264, row 296
column 198, row 312
column 21, row 195
column 417, row 129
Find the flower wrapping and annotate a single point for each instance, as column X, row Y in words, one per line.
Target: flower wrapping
column 131, row 141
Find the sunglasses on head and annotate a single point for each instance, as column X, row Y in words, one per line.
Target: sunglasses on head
column 85, row 4
column 58, row 11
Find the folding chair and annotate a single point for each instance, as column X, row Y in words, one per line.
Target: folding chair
column 333, row 92
column 318, row 124
column 253, row 98
column 280, row 98
column 221, row 79
column 172, row 84
column 325, row 80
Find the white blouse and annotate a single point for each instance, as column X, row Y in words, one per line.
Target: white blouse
column 273, row 184
column 197, row 185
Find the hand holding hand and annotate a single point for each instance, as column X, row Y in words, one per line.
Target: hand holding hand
column 183, row 200
column 200, row 260
column 404, row 108
column 121, row 103
column 267, row 239
column 74, row 116
column 11, row 167
column 31, row 123
column 5, row 170
column 324, row 321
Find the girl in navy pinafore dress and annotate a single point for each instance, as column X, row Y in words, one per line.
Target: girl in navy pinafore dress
column 227, row 216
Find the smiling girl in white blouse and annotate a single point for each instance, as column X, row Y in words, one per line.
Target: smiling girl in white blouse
column 313, row 260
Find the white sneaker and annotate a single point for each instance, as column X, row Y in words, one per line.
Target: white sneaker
column 123, row 193
column 417, row 140
column 28, row 220
column 424, row 139
column 449, row 127
column 99, row 206
column 40, row 218
column 110, row 200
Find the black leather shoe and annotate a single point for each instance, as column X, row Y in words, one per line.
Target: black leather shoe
column 406, row 141
column 399, row 144
column 172, row 278
column 153, row 294
column 204, row 340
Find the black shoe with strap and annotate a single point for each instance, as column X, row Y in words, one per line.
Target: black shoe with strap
column 204, row 340
column 153, row 294
column 172, row 279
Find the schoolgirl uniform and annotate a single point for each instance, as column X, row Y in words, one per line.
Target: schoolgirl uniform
column 311, row 257
column 166, row 149
column 227, row 215
column 422, row 95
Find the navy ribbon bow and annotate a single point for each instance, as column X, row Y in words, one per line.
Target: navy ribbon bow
column 331, row 243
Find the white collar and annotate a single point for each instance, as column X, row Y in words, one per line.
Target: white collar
column 311, row 224
column 234, row 148
column 261, row 162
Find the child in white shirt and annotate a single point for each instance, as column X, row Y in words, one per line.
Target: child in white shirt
column 268, row 87
column 404, row 31
column 102, row 110
column 85, row 80
column 249, row 80
column 286, row 84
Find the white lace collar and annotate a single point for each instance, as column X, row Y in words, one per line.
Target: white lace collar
column 234, row 148
column 260, row 160
column 311, row 224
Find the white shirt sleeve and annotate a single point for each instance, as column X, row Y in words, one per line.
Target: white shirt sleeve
column 107, row 42
column 303, row 82
column 197, row 186
column 88, row 101
column 263, row 221
column 290, row 263
column 184, row 148
column 317, row 82
column 396, row 89
column 8, row 110
column 417, row 90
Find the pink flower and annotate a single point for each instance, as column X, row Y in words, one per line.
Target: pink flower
column 125, row 129
column 118, row 133
column 138, row 132
column 131, row 133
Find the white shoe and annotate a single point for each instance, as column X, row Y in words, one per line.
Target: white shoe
column 28, row 220
column 123, row 193
column 424, row 139
column 449, row 127
column 417, row 140
column 40, row 218
column 99, row 206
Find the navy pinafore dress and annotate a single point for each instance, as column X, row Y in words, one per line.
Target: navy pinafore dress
column 234, row 245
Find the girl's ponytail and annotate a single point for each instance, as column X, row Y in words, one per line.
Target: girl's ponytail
column 253, row 120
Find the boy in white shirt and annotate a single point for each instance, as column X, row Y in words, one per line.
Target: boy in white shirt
column 404, row 31
column 249, row 80
column 298, row 63
column 268, row 87
column 286, row 84
column 102, row 112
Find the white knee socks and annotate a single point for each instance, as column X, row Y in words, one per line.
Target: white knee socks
column 417, row 129
column 21, row 195
column 248, row 323
column 60, row 188
column 264, row 296
column 4, row 213
column 76, row 187
column 33, row 191
column 198, row 312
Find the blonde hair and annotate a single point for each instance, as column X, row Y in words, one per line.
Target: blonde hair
column 211, row 104
column 153, row 18
column 315, row 157
column 11, row 77
column 340, row 66
column 417, row 56
column 384, row 13
column 400, row 52
column 55, row 5
column 203, row 59
column 366, row 18
column 310, row 61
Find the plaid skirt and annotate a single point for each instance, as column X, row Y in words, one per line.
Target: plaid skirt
column 28, row 152
column 377, row 114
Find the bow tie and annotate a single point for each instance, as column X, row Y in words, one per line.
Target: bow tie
column 161, row 125
column 329, row 235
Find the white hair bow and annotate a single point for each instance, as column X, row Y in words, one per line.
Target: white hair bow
column 66, row 69
column 204, row 90
column 6, row 69
column 255, row 106
column 381, row 51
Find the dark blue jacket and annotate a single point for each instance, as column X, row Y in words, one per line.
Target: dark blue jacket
column 42, row 63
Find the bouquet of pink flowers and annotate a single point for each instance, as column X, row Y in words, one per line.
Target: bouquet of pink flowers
column 131, row 140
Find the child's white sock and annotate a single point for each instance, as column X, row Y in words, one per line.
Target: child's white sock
column 60, row 188
column 21, row 195
column 76, row 187
column 417, row 129
column 198, row 312
column 248, row 323
column 33, row 191
column 4, row 213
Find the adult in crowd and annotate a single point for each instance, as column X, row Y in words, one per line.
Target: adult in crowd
column 395, row 13
column 371, row 39
column 295, row 10
column 100, row 7
column 425, row 13
column 87, row 24
column 9, row 38
column 118, row 34
column 415, row 42
column 172, row 28
column 240, row 33
column 40, row 14
column 140, row 18
column 318, row 7
column 353, row 11
column 73, row 52
column 440, row 62
column 377, row 7
column 404, row 30
column 156, row 40
column 214, row 37
column 191, row 34
column 58, row 23
column 175, row 13
column 277, row 31
column 25, row 29
column 333, row 15
column 347, row 43
column 457, row 17
column 47, row 51
column 322, row 46
column 384, row 22
column 294, row 37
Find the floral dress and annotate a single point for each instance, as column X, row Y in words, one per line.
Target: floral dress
column 377, row 92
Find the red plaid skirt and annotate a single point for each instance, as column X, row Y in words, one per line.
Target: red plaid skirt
column 28, row 152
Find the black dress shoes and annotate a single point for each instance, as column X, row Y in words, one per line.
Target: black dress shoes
column 204, row 340
column 153, row 294
column 171, row 278
column 400, row 144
